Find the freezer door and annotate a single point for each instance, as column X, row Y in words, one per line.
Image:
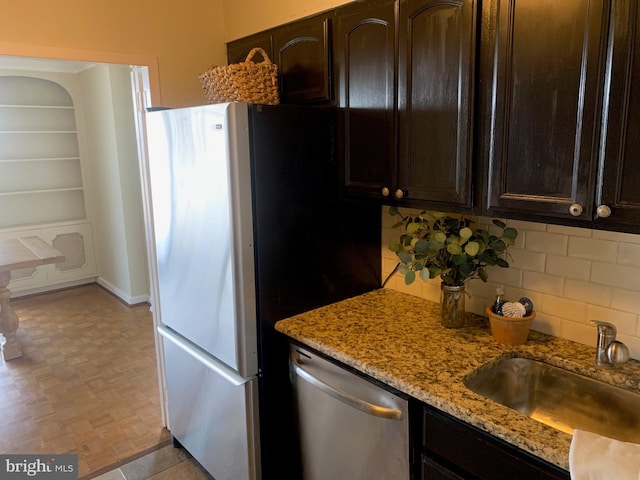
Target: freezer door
column 202, row 215
column 213, row 413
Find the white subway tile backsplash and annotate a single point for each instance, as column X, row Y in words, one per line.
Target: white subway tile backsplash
column 614, row 275
column 546, row 242
column 616, row 236
column 587, row 292
column 563, row 266
column 629, row 254
column 431, row 290
column 571, row 274
column 397, row 283
column 526, row 226
column 569, row 231
column 509, row 276
column 478, row 288
column 520, row 240
column 542, row 282
column 593, row 249
column 547, row 324
column 625, row 300
column 578, row 332
column 564, row 308
column 476, row 305
column 387, row 235
column 387, row 219
column 527, row 260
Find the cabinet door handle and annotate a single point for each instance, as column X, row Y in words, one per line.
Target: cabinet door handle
column 385, row 192
column 575, row 209
column 399, row 193
column 366, row 407
column 603, row 211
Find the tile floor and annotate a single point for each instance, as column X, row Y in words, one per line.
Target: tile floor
column 167, row 463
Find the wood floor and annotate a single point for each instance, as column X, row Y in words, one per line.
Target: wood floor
column 87, row 383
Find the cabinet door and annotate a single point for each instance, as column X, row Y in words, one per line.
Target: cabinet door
column 364, row 68
column 301, row 52
column 76, row 243
column 618, row 186
column 436, row 90
column 432, row 470
column 238, row 50
column 543, row 68
column 460, row 449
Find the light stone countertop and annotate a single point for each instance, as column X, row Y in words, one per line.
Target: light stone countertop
column 397, row 339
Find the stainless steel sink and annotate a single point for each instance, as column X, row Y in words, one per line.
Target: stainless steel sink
column 559, row 398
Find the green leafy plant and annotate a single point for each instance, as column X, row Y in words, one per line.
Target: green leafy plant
column 434, row 244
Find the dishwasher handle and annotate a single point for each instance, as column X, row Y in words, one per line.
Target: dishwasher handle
column 366, row 407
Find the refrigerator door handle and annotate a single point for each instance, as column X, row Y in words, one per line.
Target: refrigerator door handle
column 366, row 407
column 224, row 371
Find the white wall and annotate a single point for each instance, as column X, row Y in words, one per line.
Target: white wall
column 572, row 275
column 130, row 188
column 113, row 182
column 244, row 17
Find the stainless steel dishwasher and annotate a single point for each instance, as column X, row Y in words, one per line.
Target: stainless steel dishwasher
column 350, row 429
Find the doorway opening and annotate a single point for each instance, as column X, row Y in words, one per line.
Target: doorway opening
column 142, row 74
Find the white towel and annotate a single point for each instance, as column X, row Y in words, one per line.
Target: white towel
column 594, row 457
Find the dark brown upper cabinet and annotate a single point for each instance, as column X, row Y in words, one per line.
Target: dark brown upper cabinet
column 302, row 51
column 525, row 108
column 542, row 77
column 238, row 50
column 404, row 84
column 365, row 84
column 618, row 196
column 437, row 45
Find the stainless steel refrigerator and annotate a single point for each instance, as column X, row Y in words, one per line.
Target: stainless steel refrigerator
column 250, row 228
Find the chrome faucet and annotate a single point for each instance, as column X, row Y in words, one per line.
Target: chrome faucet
column 609, row 351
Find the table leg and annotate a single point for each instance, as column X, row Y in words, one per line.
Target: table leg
column 8, row 321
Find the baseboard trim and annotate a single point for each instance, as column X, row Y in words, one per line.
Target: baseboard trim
column 51, row 287
column 128, row 299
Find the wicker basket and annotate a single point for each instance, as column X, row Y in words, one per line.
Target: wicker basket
column 243, row 82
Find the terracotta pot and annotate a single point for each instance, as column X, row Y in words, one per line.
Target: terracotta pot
column 510, row 330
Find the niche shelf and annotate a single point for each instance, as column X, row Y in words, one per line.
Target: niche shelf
column 40, row 167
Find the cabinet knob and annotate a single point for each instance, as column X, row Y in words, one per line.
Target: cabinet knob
column 398, row 194
column 575, row 209
column 385, row 192
column 603, row 211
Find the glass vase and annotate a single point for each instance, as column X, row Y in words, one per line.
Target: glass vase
column 452, row 310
